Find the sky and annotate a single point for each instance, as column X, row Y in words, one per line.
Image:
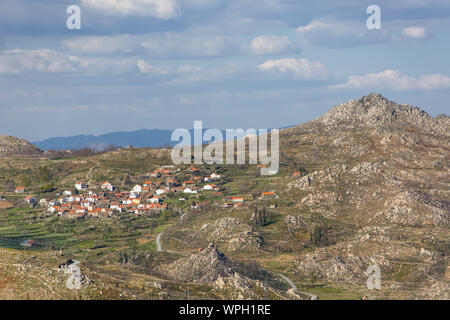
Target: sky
column 143, row 64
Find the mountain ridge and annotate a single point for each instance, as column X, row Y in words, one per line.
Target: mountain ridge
column 10, row 145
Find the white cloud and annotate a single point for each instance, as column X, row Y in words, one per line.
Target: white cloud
column 144, row 67
column 161, row 9
column 335, row 33
column 186, row 68
column 158, row 44
column 122, row 43
column 187, row 45
column 314, row 25
column 269, row 44
column 300, row 67
column 415, row 32
column 395, row 80
column 18, row 61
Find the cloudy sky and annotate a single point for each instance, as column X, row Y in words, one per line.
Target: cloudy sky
column 138, row 64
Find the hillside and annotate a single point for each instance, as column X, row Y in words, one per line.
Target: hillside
column 366, row 184
column 383, row 169
column 12, row 146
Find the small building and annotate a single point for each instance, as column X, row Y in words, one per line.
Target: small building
column 28, row 243
column 107, row 186
column 155, row 200
column 215, row 176
column 193, row 170
column 81, row 186
column 238, row 199
column 31, row 200
column 20, row 190
column 155, row 174
column 189, row 190
column 160, row 192
column 269, row 195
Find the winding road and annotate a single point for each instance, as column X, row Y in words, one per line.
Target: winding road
column 88, row 175
column 158, row 242
column 182, row 217
column 294, row 287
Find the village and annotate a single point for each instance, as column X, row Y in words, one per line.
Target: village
column 159, row 190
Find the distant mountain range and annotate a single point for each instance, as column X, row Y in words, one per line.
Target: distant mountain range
column 145, row 138
column 141, row 139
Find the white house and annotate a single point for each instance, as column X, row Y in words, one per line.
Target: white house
column 155, row 200
column 188, row 190
column 137, row 188
column 80, row 186
column 51, row 210
column 67, row 193
column 20, row 190
column 215, row 176
column 73, row 199
column 134, row 195
column 160, row 192
column 116, row 207
column 80, row 211
column 208, row 187
column 107, row 186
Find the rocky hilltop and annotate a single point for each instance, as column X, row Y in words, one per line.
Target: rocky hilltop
column 383, row 169
column 377, row 112
column 12, row 146
column 227, row 278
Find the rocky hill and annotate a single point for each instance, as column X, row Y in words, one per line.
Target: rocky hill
column 376, row 112
column 371, row 188
column 12, row 146
column 226, row 278
column 384, row 170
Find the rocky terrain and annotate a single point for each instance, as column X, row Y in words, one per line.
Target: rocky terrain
column 12, row 146
column 235, row 235
column 371, row 188
column 227, row 278
column 382, row 168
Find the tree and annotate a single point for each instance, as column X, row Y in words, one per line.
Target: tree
column 48, row 187
column 261, row 217
column 320, row 235
column 44, row 174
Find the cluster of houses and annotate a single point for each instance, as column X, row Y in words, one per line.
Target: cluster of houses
column 145, row 198
column 149, row 196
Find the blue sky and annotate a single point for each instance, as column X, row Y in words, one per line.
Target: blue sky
column 239, row 63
